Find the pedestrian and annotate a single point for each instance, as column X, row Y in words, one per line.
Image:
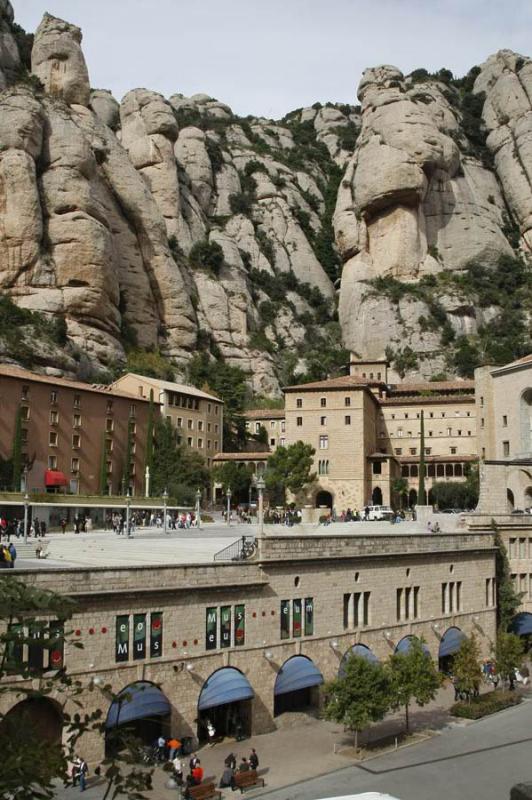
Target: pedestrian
column 63, row 524
column 211, row 731
column 13, row 553
column 197, row 773
column 173, row 746
column 228, row 778
column 253, row 759
column 244, row 765
column 161, row 748
column 177, row 768
column 230, row 761
column 193, row 761
column 43, row 528
column 74, row 770
column 83, row 770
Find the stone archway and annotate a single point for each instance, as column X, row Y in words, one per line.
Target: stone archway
column 38, row 719
column 412, row 498
column 376, row 496
column 324, row 498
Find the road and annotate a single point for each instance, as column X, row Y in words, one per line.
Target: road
column 479, row 762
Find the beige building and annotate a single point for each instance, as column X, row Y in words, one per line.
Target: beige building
column 196, row 415
column 273, row 422
column 241, row 642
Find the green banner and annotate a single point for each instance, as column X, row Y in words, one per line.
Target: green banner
column 285, row 619
column 240, row 625
column 296, row 622
column 57, row 645
column 210, row 634
column 15, row 648
column 36, row 651
column 309, row 616
column 225, row 626
column 122, row 638
column 139, row 636
column 156, row 634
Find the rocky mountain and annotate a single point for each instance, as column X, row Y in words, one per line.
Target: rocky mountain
column 173, row 226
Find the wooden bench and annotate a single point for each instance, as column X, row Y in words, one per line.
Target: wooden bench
column 203, row 792
column 243, row 780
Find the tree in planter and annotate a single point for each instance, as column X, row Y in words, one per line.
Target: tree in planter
column 413, row 676
column 290, row 468
column 508, row 652
column 22, row 609
column 360, row 697
column 16, row 453
column 508, row 599
column 466, row 666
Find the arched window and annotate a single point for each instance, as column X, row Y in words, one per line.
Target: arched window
column 526, row 422
column 458, row 471
column 414, row 471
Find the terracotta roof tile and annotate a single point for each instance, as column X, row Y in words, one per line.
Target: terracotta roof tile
column 242, row 456
column 9, row 371
column 432, row 386
column 265, row 413
column 342, row 382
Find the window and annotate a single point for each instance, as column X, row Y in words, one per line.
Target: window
column 482, row 422
column 406, row 416
column 504, row 421
column 77, row 401
column 347, row 401
column 200, row 425
column 24, row 413
column 323, row 467
column 283, row 426
column 109, row 406
column 208, row 427
column 324, row 442
column 189, row 441
column 431, row 414
column 190, row 424
column 412, row 451
column 347, row 420
column 200, row 443
column 180, row 422
column 299, row 422
column 490, row 592
column 299, row 402
column 54, row 417
column 76, row 441
column 400, row 432
column 208, row 444
column 428, row 451
column 74, row 465
column 216, row 441
column 506, row 448
column 52, row 439
column 453, row 451
column 482, row 402
column 216, row 408
column 76, row 423
column 398, row 451
column 323, row 402
column 52, row 462
column 53, row 397
column 377, row 467
column 459, row 433
column 272, row 442
column 323, row 420
column 109, row 425
column 449, row 431
column 216, row 426
column 208, row 408
column 132, row 410
column 25, row 392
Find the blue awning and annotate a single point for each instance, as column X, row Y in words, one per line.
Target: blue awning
column 357, row 650
column 298, row 672
column 522, row 623
column 450, row 642
column 141, row 700
column 404, row 645
column 226, row 685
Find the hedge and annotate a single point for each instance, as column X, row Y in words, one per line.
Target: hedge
column 485, row 704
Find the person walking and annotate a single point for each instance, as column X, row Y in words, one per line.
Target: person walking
column 82, row 771
column 230, row 761
column 63, row 524
column 12, row 551
column 253, row 759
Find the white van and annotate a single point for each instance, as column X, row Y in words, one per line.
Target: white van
column 380, row 512
column 363, row 796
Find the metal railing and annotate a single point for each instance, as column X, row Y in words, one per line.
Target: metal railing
column 242, row 549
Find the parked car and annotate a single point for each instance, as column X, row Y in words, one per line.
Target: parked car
column 380, row 512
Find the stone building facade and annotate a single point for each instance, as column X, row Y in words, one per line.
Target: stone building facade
column 314, row 597
column 272, row 420
column 65, row 428
column 196, row 415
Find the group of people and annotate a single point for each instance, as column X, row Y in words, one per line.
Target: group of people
column 288, row 516
column 228, row 777
column 8, row 555
column 15, row 527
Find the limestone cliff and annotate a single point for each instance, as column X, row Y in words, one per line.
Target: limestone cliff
column 172, row 225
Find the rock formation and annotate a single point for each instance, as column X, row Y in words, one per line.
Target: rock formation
column 174, row 225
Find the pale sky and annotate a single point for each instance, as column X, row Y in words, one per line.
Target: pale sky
column 267, row 57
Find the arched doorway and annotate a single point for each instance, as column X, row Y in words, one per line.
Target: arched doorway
column 324, row 498
column 225, row 701
column 412, row 498
column 140, row 710
column 296, row 685
column 510, row 500
column 36, row 719
column 360, row 650
column 522, row 626
column 449, row 645
column 376, row 496
column 404, row 645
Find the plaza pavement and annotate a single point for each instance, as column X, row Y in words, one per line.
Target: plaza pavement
column 193, row 546
column 462, row 761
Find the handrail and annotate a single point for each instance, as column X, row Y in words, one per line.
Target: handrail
column 241, row 549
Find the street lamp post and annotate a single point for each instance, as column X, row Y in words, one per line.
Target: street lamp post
column 228, row 495
column 165, row 500
column 26, row 510
column 128, row 511
column 147, row 476
column 260, row 484
column 198, row 499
